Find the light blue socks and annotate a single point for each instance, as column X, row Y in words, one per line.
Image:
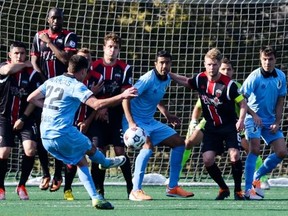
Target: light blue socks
column 140, row 167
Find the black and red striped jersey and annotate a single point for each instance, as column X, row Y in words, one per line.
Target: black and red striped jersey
column 217, row 99
column 116, row 77
column 15, row 89
column 49, row 64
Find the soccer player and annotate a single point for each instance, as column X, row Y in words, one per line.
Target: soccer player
column 60, row 98
column 80, row 119
column 50, row 54
column 194, row 135
column 17, row 80
column 218, row 95
column 265, row 89
column 94, row 81
column 106, row 127
column 140, row 112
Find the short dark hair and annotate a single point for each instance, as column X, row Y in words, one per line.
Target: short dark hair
column 163, row 53
column 226, row 60
column 268, row 50
column 56, row 10
column 17, row 44
column 77, row 63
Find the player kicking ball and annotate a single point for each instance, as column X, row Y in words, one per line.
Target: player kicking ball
column 60, row 97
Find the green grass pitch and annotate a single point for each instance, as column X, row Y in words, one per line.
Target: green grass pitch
column 44, row 203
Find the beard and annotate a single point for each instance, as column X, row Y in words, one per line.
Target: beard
column 57, row 28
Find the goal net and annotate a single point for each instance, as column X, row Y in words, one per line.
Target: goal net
column 187, row 28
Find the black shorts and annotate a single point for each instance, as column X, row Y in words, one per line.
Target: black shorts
column 106, row 133
column 28, row 132
column 220, row 139
column 7, row 134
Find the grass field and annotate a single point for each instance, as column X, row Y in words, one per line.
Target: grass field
column 203, row 203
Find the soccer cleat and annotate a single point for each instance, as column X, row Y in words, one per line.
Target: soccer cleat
column 251, row 195
column 55, row 185
column 2, row 194
column 265, row 185
column 114, row 162
column 68, row 195
column 44, row 185
column 139, row 195
column 102, row 204
column 239, row 195
column 22, row 192
column 257, row 187
column 223, row 193
column 178, row 192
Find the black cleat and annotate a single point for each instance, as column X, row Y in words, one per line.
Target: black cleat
column 223, row 193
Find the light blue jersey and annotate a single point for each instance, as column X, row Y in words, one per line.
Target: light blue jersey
column 151, row 91
column 263, row 93
column 63, row 96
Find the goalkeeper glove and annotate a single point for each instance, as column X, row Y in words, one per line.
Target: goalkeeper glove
column 191, row 128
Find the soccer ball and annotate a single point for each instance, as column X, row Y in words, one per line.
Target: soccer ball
column 134, row 137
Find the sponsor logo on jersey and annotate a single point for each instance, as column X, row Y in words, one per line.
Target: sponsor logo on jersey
column 59, row 41
column 72, row 44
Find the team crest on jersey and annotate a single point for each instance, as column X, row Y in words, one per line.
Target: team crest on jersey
column 117, row 77
column 216, row 100
column 72, row 44
column 218, row 93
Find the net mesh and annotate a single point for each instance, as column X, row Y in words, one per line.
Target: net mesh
column 188, row 29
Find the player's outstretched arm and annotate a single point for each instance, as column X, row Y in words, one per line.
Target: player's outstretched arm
column 97, row 104
column 181, row 80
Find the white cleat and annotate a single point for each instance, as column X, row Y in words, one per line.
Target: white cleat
column 114, row 162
